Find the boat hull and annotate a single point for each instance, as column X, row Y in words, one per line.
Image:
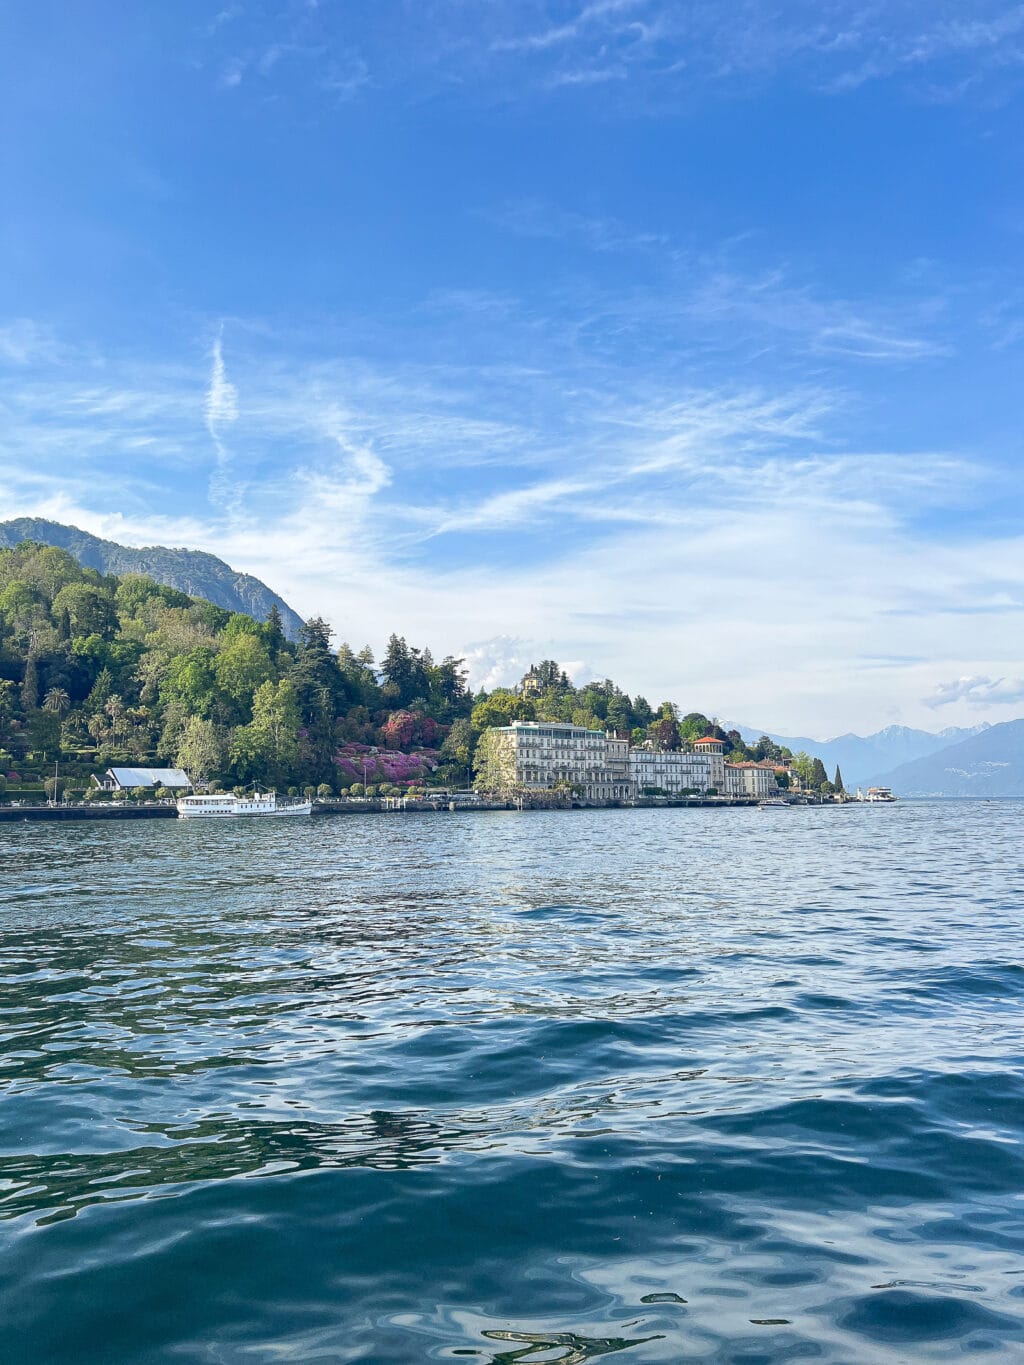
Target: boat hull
column 227, row 813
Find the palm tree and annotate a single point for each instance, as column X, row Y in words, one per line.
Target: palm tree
column 57, row 701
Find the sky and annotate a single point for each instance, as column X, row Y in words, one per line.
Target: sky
column 680, row 342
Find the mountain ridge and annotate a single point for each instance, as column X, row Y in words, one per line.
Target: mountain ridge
column 868, row 758
column 196, row 572
column 988, row 764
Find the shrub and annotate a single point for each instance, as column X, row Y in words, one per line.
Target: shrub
column 324, row 791
column 356, row 789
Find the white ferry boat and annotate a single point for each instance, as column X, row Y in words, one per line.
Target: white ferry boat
column 879, row 794
column 218, row 805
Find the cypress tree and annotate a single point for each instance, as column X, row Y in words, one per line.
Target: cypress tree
column 30, row 685
column 838, row 783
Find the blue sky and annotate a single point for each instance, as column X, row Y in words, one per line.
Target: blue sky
column 680, row 342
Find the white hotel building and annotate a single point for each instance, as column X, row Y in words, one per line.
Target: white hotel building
column 543, row 755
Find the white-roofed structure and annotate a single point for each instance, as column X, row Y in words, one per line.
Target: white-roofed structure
column 125, row 779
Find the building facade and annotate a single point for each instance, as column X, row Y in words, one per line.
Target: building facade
column 539, row 756
column 751, row 779
column 715, row 750
column 543, row 755
column 672, row 773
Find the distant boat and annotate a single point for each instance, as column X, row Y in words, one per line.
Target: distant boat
column 771, row 801
column 216, row 806
column 879, row 794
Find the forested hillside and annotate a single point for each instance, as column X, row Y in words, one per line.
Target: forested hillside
column 97, row 670
column 190, row 571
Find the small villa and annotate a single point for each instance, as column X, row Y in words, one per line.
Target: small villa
column 126, row 779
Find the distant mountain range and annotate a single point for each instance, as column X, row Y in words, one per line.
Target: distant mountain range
column 191, row 571
column 870, row 758
column 990, row 763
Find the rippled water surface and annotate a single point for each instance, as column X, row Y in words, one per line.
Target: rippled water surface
column 718, row 1085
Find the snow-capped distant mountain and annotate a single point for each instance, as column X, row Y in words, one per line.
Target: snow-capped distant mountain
column 990, row 763
column 864, row 758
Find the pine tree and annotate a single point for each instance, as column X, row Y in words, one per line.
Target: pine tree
column 838, row 782
column 102, row 690
column 275, row 632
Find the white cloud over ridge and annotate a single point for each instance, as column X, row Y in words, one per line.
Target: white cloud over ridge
column 978, row 692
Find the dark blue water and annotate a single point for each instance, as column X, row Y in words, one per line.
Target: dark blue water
column 667, row 1085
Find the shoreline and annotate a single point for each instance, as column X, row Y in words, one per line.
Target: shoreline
column 16, row 814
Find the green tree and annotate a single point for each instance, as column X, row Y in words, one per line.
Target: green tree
column 44, row 734
column 6, row 702
column 267, row 749
column 837, row 781
column 803, row 766
column 275, row 632
column 448, row 693
column 57, row 701
column 401, row 678
column 642, row 712
column 30, row 684
column 502, row 707
column 90, row 610
column 200, row 750
column 190, row 680
column 241, row 668
column 457, row 748
column 495, row 772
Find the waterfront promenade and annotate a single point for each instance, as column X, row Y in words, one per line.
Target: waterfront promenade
column 381, row 806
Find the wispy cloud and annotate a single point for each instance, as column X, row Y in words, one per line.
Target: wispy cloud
column 658, row 521
column 641, row 52
column 874, row 331
column 24, row 342
column 540, row 219
column 221, row 410
column 599, row 14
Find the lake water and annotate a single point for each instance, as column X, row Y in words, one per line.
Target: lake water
column 694, row 1085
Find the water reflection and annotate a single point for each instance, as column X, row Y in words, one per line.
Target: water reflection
column 569, row 1348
